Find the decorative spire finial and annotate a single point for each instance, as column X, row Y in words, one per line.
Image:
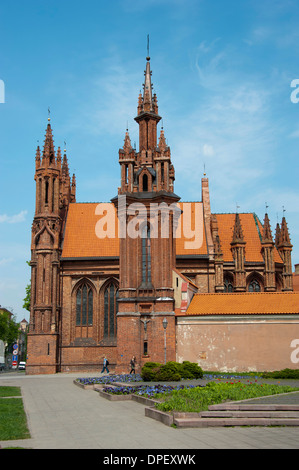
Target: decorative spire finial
column 148, row 56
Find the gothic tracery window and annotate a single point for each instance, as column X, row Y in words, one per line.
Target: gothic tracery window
column 110, row 310
column 228, row 286
column 84, row 306
column 146, row 255
column 254, row 286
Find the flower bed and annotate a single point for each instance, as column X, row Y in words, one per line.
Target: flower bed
column 129, row 378
column 108, row 379
column 149, row 391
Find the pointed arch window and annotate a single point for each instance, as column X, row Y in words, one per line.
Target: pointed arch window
column 110, row 310
column 228, row 286
column 84, row 306
column 145, row 182
column 254, row 286
column 46, row 191
column 146, row 255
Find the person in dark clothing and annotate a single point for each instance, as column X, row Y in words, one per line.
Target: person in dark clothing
column 105, row 365
column 133, row 365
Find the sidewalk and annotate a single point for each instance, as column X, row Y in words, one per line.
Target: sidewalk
column 64, row 416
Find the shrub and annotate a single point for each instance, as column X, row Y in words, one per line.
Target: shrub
column 191, row 370
column 149, row 371
column 151, row 365
column 282, row 374
column 171, row 371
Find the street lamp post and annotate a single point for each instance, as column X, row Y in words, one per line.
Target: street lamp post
column 165, row 323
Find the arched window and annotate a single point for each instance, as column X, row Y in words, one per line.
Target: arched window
column 146, row 255
column 254, row 286
column 46, row 191
column 84, row 306
column 110, row 310
column 228, row 286
column 145, row 182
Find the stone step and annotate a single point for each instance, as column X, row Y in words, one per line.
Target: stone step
column 249, row 414
column 254, row 407
column 207, row 422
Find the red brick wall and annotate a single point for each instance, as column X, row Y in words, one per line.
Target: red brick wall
column 42, row 357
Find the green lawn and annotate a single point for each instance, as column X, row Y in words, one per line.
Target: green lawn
column 13, row 421
column 10, row 392
column 199, row 398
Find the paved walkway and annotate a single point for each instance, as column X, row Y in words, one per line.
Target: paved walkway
column 64, row 416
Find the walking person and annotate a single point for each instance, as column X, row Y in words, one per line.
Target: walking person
column 133, row 365
column 105, row 365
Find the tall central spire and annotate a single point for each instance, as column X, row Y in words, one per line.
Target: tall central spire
column 147, row 93
column 147, row 111
column 148, row 170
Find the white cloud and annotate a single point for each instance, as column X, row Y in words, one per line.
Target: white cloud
column 13, row 219
column 208, row 150
column 109, row 101
column 4, row 261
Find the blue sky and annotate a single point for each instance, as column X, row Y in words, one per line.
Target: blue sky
column 222, row 72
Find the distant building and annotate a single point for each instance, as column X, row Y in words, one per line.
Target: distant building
column 4, row 310
column 24, row 325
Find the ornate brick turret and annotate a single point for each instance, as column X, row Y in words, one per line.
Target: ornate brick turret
column 284, row 247
column 146, row 256
column 238, row 250
column 53, row 195
column 268, row 254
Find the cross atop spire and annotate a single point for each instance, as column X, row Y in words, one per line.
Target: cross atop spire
column 148, row 57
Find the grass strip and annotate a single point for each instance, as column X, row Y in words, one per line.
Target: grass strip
column 13, row 420
column 10, row 391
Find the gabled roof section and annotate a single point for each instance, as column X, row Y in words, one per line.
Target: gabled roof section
column 262, row 303
column 252, row 230
column 81, row 240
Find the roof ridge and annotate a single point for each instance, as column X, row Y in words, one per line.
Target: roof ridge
column 233, row 213
column 246, row 293
column 92, row 202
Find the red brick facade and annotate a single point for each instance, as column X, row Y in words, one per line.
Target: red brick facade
column 93, row 296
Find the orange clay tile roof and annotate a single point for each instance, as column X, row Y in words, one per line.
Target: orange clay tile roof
column 182, row 247
column 262, row 303
column 252, row 230
column 80, row 238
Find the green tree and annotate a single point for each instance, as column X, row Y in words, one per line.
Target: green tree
column 9, row 329
column 27, row 298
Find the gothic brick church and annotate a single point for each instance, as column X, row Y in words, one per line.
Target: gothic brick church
column 151, row 276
